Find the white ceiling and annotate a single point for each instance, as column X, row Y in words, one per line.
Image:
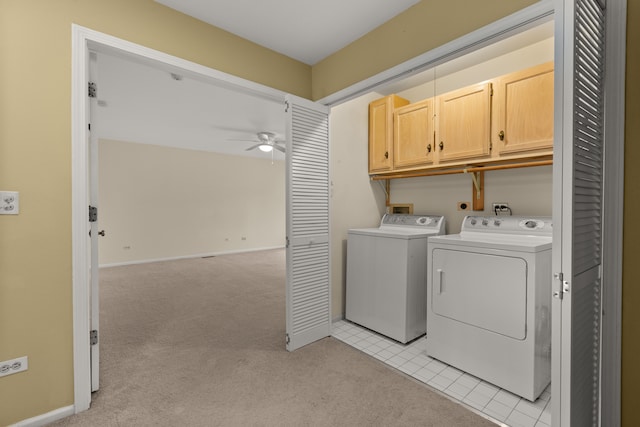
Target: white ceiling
column 306, row 30
column 140, row 103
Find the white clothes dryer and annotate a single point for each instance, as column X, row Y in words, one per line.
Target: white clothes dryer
column 387, row 275
column 489, row 301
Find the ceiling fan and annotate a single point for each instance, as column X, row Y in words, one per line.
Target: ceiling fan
column 267, row 142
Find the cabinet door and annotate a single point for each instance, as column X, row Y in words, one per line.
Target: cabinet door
column 464, row 120
column 413, row 141
column 523, row 111
column 381, row 132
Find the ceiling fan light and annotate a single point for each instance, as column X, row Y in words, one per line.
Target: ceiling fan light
column 265, row 147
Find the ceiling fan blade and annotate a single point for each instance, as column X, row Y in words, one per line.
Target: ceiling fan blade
column 279, row 148
column 253, row 147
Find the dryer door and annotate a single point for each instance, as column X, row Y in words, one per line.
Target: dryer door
column 481, row 290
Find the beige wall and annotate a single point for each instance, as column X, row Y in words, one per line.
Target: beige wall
column 419, row 29
column 160, row 202
column 356, row 201
column 35, row 159
column 359, row 202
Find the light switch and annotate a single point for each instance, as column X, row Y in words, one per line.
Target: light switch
column 9, row 203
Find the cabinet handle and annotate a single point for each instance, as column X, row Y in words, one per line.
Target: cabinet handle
column 501, row 135
column 386, row 154
column 429, row 148
column 441, row 145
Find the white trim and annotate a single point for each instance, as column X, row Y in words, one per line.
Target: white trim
column 563, row 67
column 176, row 258
column 48, row 418
column 613, row 212
column 83, row 39
column 79, row 224
column 109, row 44
column 528, row 17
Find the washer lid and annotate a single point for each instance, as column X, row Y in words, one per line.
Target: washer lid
column 396, row 232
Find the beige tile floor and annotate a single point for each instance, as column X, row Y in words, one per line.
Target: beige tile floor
column 499, row 404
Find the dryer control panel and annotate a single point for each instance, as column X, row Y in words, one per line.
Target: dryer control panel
column 541, row 226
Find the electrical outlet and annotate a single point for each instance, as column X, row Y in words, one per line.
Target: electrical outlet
column 500, row 207
column 14, row 366
column 464, row 206
column 9, row 203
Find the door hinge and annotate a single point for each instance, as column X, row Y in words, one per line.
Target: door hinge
column 561, row 286
column 93, row 90
column 93, row 337
column 287, row 244
column 286, row 106
column 287, row 339
column 93, row 214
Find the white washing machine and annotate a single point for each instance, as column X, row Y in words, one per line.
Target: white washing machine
column 387, row 275
column 489, row 301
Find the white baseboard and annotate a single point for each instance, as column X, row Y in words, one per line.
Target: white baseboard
column 48, row 418
column 210, row 254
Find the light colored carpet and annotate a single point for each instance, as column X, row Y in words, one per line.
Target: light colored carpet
column 200, row 342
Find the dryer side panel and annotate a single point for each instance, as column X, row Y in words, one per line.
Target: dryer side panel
column 481, row 290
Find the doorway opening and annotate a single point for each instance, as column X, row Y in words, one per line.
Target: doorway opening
column 176, row 71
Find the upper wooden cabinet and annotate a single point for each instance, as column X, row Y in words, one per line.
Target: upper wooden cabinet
column 463, row 128
column 523, row 111
column 506, row 119
column 413, row 141
column 381, row 132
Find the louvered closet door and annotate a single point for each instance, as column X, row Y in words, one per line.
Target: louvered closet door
column 578, row 165
column 308, row 284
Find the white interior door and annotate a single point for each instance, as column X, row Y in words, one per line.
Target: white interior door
column 308, row 303
column 577, row 208
column 94, row 226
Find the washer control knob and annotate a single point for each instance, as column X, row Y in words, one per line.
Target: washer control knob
column 473, row 221
column 497, row 222
column 531, row 224
column 485, row 222
column 423, row 220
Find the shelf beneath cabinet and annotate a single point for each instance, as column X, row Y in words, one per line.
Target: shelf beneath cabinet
column 475, row 171
column 490, row 166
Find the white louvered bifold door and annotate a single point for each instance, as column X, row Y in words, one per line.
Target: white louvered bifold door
column 308, row 267
column 578, row 174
